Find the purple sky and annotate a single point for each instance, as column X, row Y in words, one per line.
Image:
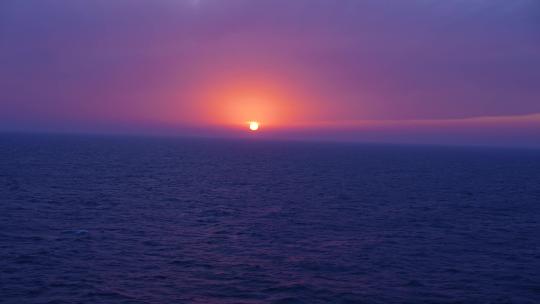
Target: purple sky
column 350, row 69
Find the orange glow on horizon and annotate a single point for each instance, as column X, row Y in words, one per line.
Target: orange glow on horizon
column 235, row 103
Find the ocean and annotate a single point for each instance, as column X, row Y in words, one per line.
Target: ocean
column 111, row 219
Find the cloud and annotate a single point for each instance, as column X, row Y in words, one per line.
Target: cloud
column 147, row 61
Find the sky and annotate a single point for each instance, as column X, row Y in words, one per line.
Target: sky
column 411, row 71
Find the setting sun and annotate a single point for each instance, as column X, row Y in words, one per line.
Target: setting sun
column 253, row 125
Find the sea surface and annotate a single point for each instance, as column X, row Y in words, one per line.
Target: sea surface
column 96, row 219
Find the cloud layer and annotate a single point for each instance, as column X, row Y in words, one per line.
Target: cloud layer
column 140, row 62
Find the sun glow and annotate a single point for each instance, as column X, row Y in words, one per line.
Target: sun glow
column 253, row 125
column 236, row 103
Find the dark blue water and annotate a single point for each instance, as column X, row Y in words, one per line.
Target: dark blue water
column 132, row 220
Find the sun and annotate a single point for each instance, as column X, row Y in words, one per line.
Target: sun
column 253, row 125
